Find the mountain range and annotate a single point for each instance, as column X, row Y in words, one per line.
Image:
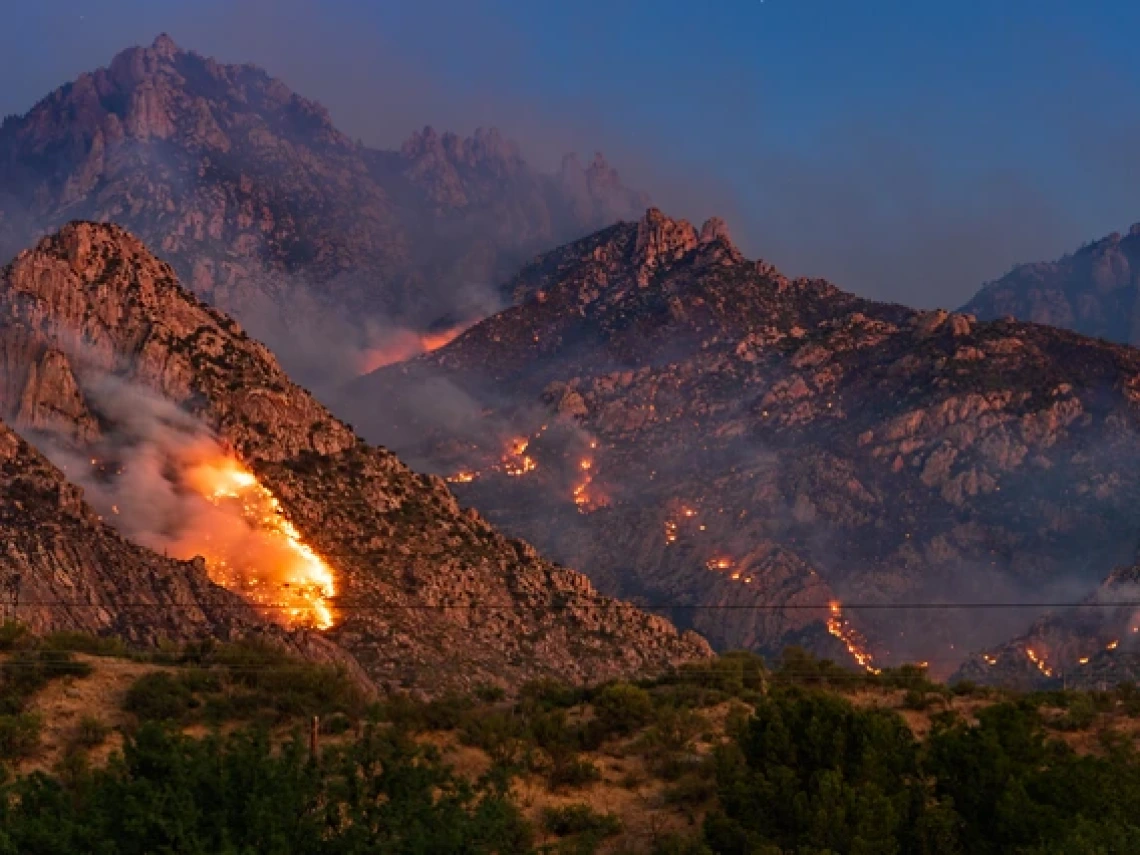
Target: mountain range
column 327, row 249
column 187, row 437
column 737, row 449
column 763, row 459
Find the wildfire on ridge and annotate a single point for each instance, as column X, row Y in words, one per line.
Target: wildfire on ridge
column 516, row 461
column 1039, row 660
column 852, row 639
column 277, row 570
column 585, row 493
column 407, row 343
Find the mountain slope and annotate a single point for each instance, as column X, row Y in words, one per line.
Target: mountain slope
column 266, row 210
column 730, row 446
column 1092, row 291
column 63, row 568
column 427, row 595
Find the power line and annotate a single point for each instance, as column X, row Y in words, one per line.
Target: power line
column 766, row 607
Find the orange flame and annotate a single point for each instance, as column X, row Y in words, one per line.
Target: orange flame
column 277, row 570
column 1039, row 660
column 852, row 639
column 406, row 343
column 516, row 461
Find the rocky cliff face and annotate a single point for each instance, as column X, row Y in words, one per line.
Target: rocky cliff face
column 1092, row 291
column 428, row 594
column 267, row 211
column 734, row 448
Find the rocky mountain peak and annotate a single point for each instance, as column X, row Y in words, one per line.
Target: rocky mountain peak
column 661, row 241
column 165, row 47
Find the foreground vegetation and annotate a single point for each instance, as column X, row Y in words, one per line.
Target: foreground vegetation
column 207, row 750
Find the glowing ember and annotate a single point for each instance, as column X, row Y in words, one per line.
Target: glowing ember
column 852, row 639
column 670, row 531
column 990, row 660
column 1112, row 645
column 516, row 461
column 1084, row 660
column 586, row 496
column 276, row 569
column 1039, row 661
column 720, row 564
column 464, row 477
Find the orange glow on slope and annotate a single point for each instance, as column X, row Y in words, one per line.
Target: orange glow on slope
column 852, row 639
column 516, row 461
column 1039, row 660
column 586, row 494
column 273, row 567
column 405, row 344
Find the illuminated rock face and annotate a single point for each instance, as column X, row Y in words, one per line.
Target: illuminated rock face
column 424, row 594
column 828, row 447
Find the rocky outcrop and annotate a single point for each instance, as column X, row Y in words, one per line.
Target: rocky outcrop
column 1093, row 291
column 755, row 445
column 430, row 596
column 270, row 213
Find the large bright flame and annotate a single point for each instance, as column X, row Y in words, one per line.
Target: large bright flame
column 852, row 639
column 267, row 562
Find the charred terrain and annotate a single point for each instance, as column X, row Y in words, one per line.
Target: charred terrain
column 190, row 439
column 340, row 256
column 737, row 449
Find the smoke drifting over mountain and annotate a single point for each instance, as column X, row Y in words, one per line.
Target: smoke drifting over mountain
column 164, row 480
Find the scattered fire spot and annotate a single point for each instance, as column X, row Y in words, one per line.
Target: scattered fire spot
column 516, row 462
column 1084, row 660
column 720, row 564
column 463, row 477
column 670, row 532
column 854, row 641
column 990, row 660
column 1112, row 645
column 1039, row 661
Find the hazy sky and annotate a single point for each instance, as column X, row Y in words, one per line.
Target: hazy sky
column 907, row 150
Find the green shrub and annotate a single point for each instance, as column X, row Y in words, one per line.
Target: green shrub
column 28, row 671
column 677, row 844
column 12, row 635
column 91, row 732
column 19, row 735
column 620, row 709
column 572, row 772
column 580, row 819
column 159, row 696
column 82, row 642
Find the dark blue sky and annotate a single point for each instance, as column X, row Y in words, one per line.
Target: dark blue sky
column 907, row 149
